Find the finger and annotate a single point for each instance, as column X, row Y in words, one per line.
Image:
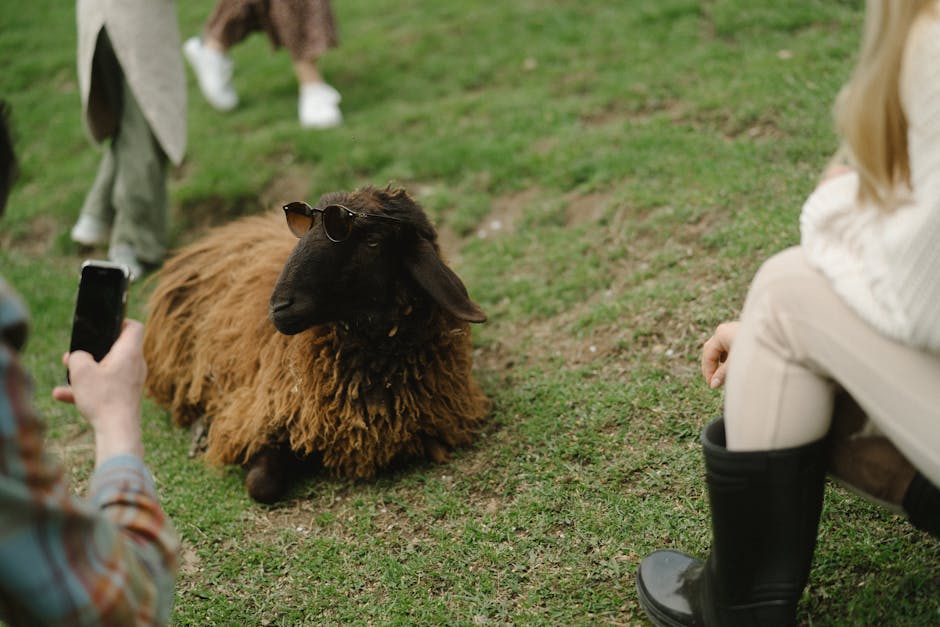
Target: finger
column 708, row 369
column 717, row 348
column 718, row 378
column 725, row 334
column 714, row 369
column 133, row 328
column 130, row 340
column 64, row 394
column 78, row 362
column 126, row 346
column 711, row 357
column 65, row 359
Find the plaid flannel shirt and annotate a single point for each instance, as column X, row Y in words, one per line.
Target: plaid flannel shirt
column 109, row 560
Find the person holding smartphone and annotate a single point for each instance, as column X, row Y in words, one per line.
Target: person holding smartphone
column 109, row 559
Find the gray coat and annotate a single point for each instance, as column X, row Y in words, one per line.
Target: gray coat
column 146, row 40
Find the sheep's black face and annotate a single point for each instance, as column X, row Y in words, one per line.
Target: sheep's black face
column 364, row 278
column 325, row 281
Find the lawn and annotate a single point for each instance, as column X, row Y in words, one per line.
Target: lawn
column 606, row 177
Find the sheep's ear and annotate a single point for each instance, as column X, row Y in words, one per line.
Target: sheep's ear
column 441, row 283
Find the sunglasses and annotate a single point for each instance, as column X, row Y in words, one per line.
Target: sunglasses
column 337, row 220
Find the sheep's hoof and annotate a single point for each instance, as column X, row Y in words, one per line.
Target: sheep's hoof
column 267, row 476
column 200, row 439
column 436, row 450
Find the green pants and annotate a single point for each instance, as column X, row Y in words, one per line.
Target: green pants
column 130, row 189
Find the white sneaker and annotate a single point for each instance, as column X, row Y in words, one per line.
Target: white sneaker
column 124, row 254
column 89, row 231
column 319, row 106
column 213, row 71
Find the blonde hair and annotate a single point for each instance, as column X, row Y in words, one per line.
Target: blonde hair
column 868, row 111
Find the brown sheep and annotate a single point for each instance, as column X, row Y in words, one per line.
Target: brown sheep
column 356, row 353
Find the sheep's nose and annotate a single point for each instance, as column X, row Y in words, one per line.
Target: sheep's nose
column 280, row 304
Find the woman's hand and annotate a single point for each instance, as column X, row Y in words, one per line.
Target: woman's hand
column 715, row 353
column 108, row 392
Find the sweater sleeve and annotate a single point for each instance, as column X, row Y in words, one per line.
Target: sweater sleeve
column 917, row 244
column 109, row 560
column 886, row 265
column 122, row 490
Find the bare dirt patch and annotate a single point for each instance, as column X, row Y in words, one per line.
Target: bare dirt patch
column 726, row 123
column 646, row 110
column 193, row 219
column 508, row 212
column 660, row 330
column 586, row 208
column 75, row 451
column 293, row 183
column 37, row 240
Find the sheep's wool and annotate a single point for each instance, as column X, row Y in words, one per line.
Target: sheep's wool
column 212, row 350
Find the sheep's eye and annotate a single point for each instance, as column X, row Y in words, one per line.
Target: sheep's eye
column 372, row 244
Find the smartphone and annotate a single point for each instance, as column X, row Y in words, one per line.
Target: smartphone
column 99, row 307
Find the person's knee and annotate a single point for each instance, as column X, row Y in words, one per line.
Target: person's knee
column 783, row 267
column 779, row 292
column 784, row 280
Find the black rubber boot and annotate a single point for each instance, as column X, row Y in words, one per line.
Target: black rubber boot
column 765, row 508
column 922, row 505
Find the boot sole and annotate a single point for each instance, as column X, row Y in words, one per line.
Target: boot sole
column 656, row 616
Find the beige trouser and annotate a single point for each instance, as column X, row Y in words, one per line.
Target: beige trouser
column 799, row 345
column 130, row 188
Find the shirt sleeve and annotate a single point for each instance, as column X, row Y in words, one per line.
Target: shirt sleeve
column 914, row 237
column 886, row 264
column 110, row 560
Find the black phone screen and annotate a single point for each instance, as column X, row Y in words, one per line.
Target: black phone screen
column 99, row 308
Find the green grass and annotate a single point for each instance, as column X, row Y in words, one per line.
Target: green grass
column 640, row 159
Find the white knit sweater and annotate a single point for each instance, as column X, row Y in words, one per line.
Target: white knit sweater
column 886, row 265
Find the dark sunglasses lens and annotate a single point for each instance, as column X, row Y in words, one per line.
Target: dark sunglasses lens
column 338, row 223
column 297, row 220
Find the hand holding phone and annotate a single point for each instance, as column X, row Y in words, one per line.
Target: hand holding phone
column 108, row 393
column 99, row 307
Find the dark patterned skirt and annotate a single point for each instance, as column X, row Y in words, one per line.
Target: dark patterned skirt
column 306, row 28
